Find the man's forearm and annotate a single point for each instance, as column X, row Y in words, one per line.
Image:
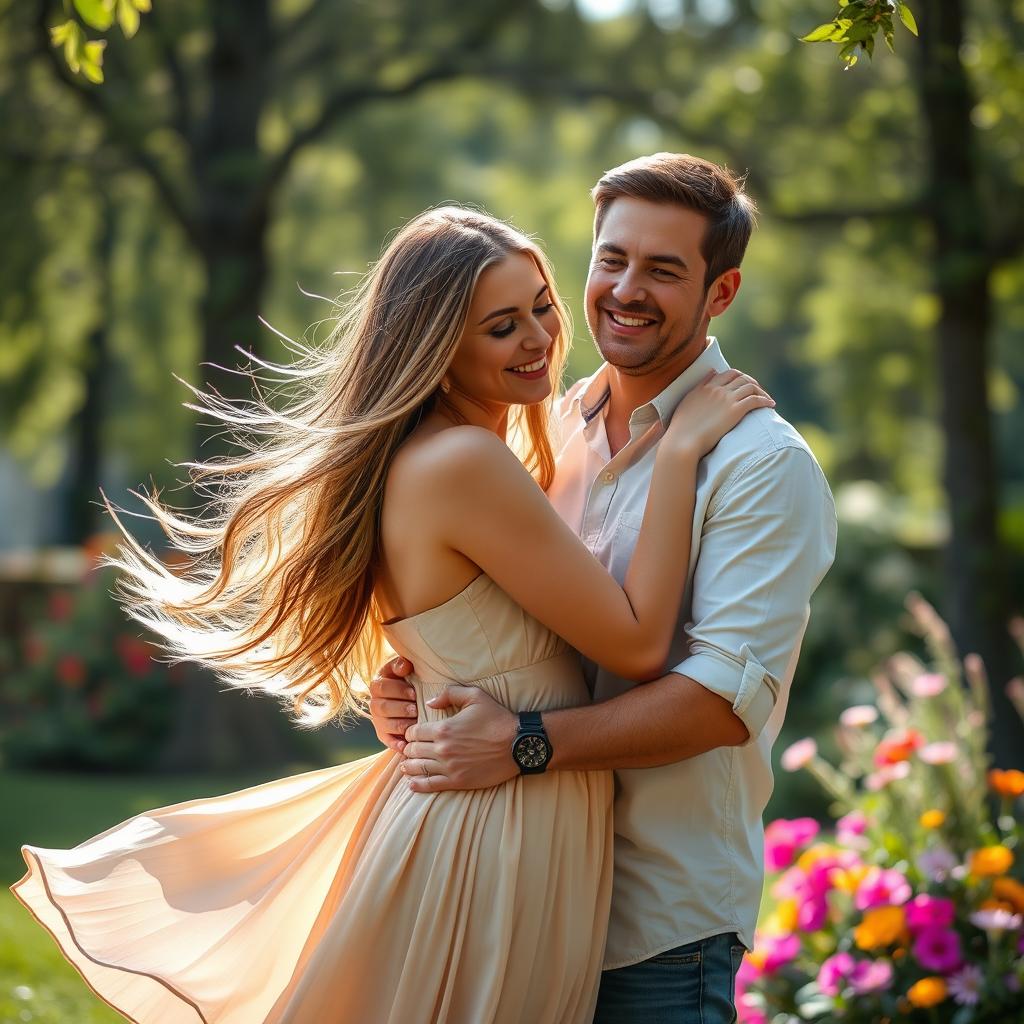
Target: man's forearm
column 670, row 719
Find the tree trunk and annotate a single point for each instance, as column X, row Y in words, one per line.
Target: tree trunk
column 978, row 607
column 216, row 730
column 81, row 512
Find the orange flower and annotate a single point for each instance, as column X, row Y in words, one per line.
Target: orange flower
column 783, row 920
column 881, row 926
column 933, row 818
column 927, row 992
column 1009, row 783
column 897, row 746
column 1009, row 890
column 990, row 861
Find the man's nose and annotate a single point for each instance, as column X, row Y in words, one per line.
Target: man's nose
column 628, row 288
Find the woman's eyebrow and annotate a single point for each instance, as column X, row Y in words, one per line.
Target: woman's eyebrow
column 512, row 309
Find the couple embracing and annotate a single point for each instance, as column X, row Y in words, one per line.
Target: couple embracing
column 598, row 605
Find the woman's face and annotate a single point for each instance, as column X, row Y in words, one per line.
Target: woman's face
column 502, row 358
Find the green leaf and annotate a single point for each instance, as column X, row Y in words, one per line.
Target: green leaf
column 99, row 14
column 127, row 17
column 906, row 16
column 821, row 34
column 92, row 71
column 59, row 33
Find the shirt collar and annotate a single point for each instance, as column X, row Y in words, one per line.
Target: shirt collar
column 592, row 394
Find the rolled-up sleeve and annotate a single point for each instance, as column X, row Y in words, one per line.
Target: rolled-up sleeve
column 768, row 539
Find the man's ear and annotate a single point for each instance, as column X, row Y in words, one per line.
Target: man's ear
column 722, row 291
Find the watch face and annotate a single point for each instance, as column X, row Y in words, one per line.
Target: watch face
column 531, row 751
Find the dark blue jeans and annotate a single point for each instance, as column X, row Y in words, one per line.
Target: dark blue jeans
column 692, row 984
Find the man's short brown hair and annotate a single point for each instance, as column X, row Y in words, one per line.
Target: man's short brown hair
column 699, row 185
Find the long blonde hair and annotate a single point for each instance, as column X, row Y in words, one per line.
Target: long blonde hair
column 275, row 586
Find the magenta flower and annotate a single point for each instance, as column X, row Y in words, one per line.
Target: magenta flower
column 938, row 949
column 925, row 911
column 798, row 755
column 965, row 986
column 850, row 830
column 783, row 837
column 871, row 976
column 834, row 973
column 882, row 887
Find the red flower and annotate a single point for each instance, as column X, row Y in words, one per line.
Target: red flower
column 134, row 655
column 71, row 671
column 60, row 604
column 897, row 746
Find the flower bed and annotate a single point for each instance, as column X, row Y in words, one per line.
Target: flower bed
column 912, row 907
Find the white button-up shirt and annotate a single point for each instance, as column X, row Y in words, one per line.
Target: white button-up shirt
column 689, row 839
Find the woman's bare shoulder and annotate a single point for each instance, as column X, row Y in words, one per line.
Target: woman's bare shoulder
column 448, row 455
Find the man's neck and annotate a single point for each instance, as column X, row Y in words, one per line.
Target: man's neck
column 628, row 392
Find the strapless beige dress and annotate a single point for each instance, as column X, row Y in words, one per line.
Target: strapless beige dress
column 341, row 896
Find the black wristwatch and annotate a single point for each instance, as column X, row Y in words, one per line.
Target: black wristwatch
column 531, row 749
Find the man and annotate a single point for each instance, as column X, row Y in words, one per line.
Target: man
column 691, row 750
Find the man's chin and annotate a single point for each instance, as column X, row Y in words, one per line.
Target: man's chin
column 626, row 357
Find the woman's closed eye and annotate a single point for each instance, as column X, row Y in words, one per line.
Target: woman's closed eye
column 507, row 327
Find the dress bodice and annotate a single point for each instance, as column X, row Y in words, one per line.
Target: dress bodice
column 482, row 637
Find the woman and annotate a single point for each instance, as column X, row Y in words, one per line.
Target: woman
column 383, row 504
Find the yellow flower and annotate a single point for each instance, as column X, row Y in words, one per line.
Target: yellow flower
column 927, row 992
column 1009, row 890
column 847, row 880
column 881, row 926
column 990, row 861
column 813, row 854
column 933, row 818
column 782, row 920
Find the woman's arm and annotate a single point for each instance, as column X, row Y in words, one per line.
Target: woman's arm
column 493, row 513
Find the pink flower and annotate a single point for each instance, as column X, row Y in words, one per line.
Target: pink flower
column 748, row 1011
column 965, row 986
column 889, row 773
column 882, row 887
column 850, row 830
column 939, row 753
column 929, row 685
column 938, row 949
column 853, row 823
column 812, row 914
column 858, row 716
column 779, row 950
column 834, row 973
column 925, row 911
column 783, row 837
column 871, row 976
column 799, row 755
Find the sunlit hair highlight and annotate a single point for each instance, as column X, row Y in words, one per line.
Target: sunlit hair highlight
column 274, row 589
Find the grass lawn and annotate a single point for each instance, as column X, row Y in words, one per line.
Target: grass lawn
column 52, row 810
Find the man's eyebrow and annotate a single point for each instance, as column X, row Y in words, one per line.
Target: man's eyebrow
column 512, row 309
column 675, row 261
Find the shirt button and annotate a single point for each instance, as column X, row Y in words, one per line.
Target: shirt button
column 608, row 476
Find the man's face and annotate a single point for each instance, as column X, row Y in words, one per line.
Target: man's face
column 646, row 301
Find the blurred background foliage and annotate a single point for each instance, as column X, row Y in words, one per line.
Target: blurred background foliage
column 241, row 159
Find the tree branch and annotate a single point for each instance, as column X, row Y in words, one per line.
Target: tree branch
column 118, row 132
